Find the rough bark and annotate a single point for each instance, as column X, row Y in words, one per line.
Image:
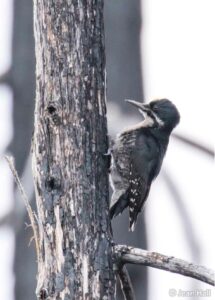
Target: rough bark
column 70, row 140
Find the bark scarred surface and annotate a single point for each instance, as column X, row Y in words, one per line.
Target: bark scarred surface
column 70, row 138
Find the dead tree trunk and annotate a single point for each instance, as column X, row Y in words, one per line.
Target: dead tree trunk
column 70, row 140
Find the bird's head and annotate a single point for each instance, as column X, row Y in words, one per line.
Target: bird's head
column 163, row 113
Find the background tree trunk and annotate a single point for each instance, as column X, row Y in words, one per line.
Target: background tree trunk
column 22, row 82
column 70, row 140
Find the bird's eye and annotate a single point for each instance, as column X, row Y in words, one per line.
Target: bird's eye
column 153, row 106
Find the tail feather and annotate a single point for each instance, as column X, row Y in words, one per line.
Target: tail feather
column 119, row 205
column 136, row 206
column 132, row 222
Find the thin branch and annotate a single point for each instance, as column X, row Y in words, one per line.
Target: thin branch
column 194, row 144
column 6, row 77
column 27, row 182
column 126, row 284
column 126, row 254
column 14, row 218
column 26, row 201
column 8, row 219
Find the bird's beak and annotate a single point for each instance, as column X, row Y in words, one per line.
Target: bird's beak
column 141, row 106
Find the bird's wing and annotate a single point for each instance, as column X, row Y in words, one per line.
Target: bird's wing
column 138, row 193
column 120, row 181
column 118, row 206
column 145, row 158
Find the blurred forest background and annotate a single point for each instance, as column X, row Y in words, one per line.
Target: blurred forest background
column 154, row 49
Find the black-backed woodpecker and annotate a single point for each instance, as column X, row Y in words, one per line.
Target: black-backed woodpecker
column 137, row 155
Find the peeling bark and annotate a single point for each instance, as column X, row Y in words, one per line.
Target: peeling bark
column 70, row 140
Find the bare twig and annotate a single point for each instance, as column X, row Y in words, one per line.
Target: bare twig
column 126, row 285
column 26, row 201
column 194, row 144
column 8, row 219
column 6, row 78
column 126, row 254
column 14, row 218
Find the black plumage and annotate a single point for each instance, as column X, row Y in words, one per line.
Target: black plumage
column 137, row 156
